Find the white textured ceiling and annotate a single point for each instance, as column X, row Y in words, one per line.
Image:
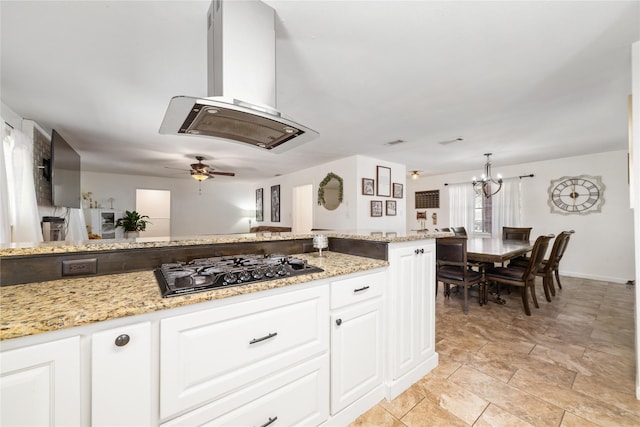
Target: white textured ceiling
column 527, row 81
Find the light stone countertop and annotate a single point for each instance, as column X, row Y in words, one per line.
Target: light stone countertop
column 35, row 308
column 45, row 248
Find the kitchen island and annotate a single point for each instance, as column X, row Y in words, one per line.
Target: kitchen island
column 328, row 344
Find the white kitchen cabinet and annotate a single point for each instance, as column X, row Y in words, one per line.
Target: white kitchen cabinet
column 211, row 353
column 356, row 345
column 410, row 307
column 294, row 396
column 121, row 376
column 103, row 223
column 41, row 384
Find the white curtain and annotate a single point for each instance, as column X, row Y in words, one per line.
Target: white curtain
column 18, row 206
column 506, row 206
column 461, row 206
column 76, row 226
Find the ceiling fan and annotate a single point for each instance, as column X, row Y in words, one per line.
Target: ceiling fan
column 201, row 171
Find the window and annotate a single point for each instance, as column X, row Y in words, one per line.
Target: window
column 482, row 214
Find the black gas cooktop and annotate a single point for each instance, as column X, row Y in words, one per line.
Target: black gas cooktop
column 202, row 274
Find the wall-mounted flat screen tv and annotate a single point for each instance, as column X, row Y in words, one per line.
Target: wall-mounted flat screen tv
column 65, row 173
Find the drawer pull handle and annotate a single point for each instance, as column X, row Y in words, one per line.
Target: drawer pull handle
column 122, row 340
column 364, row 288
column 338, row 322
column 266, row 337
column 271, row 421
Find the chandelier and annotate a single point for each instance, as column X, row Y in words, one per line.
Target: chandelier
column 486, row 183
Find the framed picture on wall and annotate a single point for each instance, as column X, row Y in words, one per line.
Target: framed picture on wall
column 275, row 203
column 376, row 208
column 260, row 204
column 397, row 190
column 367, row 186
column 391, row 207
column 383, row 176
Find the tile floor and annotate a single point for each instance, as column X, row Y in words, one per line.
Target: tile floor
column 569, row 364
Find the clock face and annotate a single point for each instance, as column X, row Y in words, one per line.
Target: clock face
column 576, row 195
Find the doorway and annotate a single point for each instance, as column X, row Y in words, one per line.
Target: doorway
column 302, row 209
column 157, row 205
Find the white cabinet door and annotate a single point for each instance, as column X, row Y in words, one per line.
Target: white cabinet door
column 121, row 391
column 356, row 352
column 210, row 353
column 40, row 384
column 411, row 307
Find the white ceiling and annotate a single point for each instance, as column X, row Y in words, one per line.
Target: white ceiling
column 527, row 81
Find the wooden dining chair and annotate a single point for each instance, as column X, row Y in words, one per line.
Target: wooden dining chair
column 516, row 233
column 459, row 231
column 551, row 265
column 523, row 278
column 452, row 268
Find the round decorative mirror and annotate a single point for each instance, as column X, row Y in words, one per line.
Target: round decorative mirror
column 330, row 191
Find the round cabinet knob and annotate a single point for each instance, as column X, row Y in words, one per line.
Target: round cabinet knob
column 417, row 251
column 122, row 340
column 421, row 251
column 338, row 322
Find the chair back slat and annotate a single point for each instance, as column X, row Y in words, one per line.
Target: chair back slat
column 557, row 250
column 516, row 233
column 451, row 251
column 459, row 231
column 537, row 256
column 562, row 248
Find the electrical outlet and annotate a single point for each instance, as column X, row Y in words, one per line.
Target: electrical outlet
column 79, row 267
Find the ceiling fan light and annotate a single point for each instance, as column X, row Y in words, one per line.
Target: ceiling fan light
column 415, row 175
column 199, row 176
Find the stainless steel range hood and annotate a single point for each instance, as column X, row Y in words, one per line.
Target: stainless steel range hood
column 242, row 83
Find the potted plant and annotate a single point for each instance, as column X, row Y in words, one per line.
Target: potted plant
column 133, row 223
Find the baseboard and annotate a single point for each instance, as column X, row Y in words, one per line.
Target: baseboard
column 357, row 408
column 593, row 277
column 395, row 388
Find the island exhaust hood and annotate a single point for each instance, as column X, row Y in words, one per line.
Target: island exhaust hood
column 242, row 83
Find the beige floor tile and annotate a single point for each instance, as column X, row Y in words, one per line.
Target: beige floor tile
column 453, row 398
column 497, row 417
column 570, row 420
column 402, row 404
column 377, row 417
column 428, row 414
column 592, row 409
column 571, row 363
column 609, row 391
column 519, row 403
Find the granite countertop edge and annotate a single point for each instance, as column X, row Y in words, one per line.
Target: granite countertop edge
column 40, row 307
column 46, row 248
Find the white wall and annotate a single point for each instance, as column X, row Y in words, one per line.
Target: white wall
column 223, row 207
column 353, row 214
column 603, row 245
column 226, row 206
column 366, row 167
column 635, row 150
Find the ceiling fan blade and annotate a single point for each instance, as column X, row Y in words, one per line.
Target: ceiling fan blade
column 222, row 173
column 178, row 169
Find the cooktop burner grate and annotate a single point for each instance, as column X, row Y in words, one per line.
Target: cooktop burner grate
column 202, row 274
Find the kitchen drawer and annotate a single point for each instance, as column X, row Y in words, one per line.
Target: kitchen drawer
column 210, row 353
column 295, row 396
column 356, row 289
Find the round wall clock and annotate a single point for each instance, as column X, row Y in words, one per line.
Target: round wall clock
column 581, row 195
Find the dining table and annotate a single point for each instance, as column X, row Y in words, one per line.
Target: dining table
column 495, row 249
column 492, row 250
